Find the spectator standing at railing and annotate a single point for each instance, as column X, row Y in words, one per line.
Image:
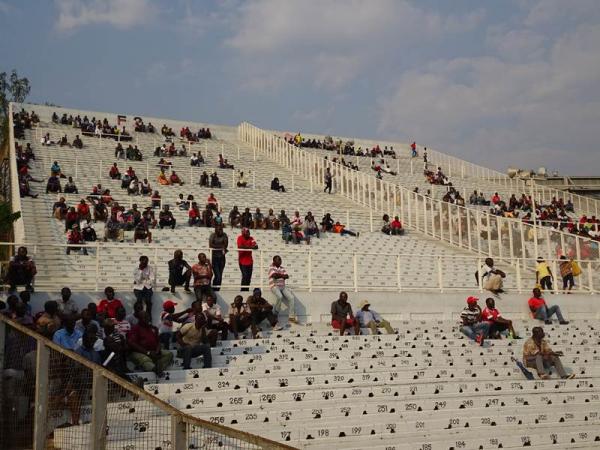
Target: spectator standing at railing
column 566, row 272
column 21, row 271
column 246, row 262
column 203, row 273
column 277, row 283
column 180, row 272
column 328, row 180
column 218, row 243
column 144, row 279
column 543, row 275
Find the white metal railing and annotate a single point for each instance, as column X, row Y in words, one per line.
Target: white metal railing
column 463, row 227
column 113, row 264
column 15, row 192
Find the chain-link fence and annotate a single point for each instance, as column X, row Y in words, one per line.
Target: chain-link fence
column 52, row 398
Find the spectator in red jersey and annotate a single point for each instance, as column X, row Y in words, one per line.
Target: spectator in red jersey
column 145, row 346
column 341, row 315
column 498, row 324
column 396, row 227
column 114, row 172
column 83, row 210
column 540, row 311
column 245, row 241
column 109, row 305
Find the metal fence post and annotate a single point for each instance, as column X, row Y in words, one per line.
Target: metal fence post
column 355, row 271
column 99, row 402
column 41, row 396
column 178, row 433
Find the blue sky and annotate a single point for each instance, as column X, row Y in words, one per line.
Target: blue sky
column 502, row 83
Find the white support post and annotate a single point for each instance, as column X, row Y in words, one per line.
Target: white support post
column 99, row 406
column 253, row 180
column 238, row 152
column 440, row 275
column 398, row 274
column 99, row 171
column 42, row 367
column 310, row 270
column 355, row 271
column 76, row 167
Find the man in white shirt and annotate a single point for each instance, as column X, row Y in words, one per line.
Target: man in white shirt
column 371, row 319
column 277, row 277
column 490, row 277
column 144, row 279
column 214, row 317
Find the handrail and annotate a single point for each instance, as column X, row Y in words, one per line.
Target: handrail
column 141, row 393
column 15, row 191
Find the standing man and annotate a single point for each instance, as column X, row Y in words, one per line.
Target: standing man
column 367, row 318
column 180, row 272
column 245, row 241
column 328, row 180
column 277, row 277
column 203, row 274
column 538, row 354
column 218, row 242
column 341, row 315
column 144, row 279
column 543, row 274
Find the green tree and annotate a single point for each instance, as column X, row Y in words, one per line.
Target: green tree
column 7, row 218
column 12, row 88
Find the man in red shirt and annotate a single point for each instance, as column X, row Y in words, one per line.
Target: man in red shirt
column 145, row 346
column 396, row 227
column 497, row 323
column 246, row 262
column 540, row 311
column 108, row 306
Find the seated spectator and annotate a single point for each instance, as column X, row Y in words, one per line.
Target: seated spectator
column 203, row 273
column 287, row 234
column 83, row 211
column 241, row 180
column 114, row 229
column 168, row 317
column 473, row 199
column 107, row 307
column 10, row 308
column 142, row 232
column 60, row 209
column 194, row 215
column 341, row 315
column 195, row 161
column 166, row 219
column 214, row 180
column 49, row 321
column 88, row 232
column 25, row 297
column 75, row 240
column 310, row 226
column 214, row 317
column 234, row 217
column 71, row 218
column 491, row 278
column 543, row 275
column 272, row 220
column 87, row 348
column 55, row 170
column 114, row 172
column 156, row 200
column 223, row 164
column 70, row 187
column 145, row 188
column 85, row 321
column 396, row 227
column 260, row 310
column 162, row 179
column 472, row 325
column 495, row 198
column 537, row 354
column 134, row 187
column 386, row 227
column 180, row 272
column 258, row 220
column 339, row 228
column 367, row 318
column 277, row 283
column 133, row 317
column 540, row 311
column 115, row 344
column 204, row 180
column 21, row 271
column 212, row 202
column 193, row 342
column 77, row 142
column 145, row 347
column 68, row 335
column 174, row 179
column 275, row 186
column 327, row 223
column 53, row 185
column 246, row 219
column 239, row 316
column 498, row 324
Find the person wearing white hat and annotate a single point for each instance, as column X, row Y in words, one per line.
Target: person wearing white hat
column 367, row 318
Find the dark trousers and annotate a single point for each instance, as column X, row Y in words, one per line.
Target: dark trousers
column 246, row 276
column 191, row 351
column 327, row 186
column 144, row 295
column 218, row 265
column 546, row 283
column 568, row 281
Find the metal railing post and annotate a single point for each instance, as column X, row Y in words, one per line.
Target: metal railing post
column 42, row 366
column 179, row 437
column 99, row 406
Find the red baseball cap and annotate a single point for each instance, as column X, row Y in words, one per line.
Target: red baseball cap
column 471, row 300
column 169, row 304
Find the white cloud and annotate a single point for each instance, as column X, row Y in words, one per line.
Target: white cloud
column 331, row 42
column 73, row 14
column 534, row 112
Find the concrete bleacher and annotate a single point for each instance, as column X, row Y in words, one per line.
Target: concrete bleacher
column 426, row 387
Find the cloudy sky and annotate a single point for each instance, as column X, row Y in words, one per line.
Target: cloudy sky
column 500, row 82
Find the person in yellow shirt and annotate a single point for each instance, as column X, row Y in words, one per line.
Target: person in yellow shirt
column 543, row 275
column 538, row 355
column 162, row 179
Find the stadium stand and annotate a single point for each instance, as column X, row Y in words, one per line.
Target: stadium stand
column 425, row 386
